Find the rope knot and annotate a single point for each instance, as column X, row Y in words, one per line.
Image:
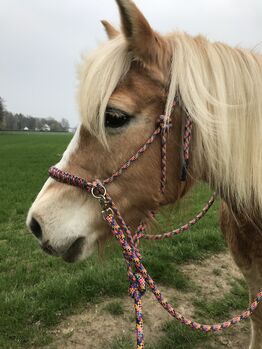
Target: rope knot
column 164, row 123
column 137, row 286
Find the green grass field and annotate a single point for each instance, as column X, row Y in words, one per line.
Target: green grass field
column 38, row 291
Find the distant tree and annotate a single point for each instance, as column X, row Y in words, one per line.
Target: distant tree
column 55, row 126
column 65, row 124
column 21, row 123
column 11, row 121
column 31, row 123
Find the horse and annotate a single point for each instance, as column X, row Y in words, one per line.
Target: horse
column 124, row 86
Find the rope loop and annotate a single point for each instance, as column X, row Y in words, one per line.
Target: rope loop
column 137, row 286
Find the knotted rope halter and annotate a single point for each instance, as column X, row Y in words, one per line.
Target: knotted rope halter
column 137, row 273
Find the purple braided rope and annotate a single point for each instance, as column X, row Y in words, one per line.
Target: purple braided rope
column 67, row 178
column 136, row 290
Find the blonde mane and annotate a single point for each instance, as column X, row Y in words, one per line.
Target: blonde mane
column 221, row 89
column 99, row 75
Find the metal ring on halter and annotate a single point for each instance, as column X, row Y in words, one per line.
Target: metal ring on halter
column 102, row 194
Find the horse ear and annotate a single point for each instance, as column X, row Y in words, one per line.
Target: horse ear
column 143, row 40
column 111, row 31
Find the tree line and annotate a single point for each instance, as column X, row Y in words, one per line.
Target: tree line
column 18, row 122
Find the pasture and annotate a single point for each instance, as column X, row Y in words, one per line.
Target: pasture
column 38, row 292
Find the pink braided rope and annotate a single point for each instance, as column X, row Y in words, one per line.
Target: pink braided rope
column 162, row 130
column 187, row 137
column 164, row 125
column 184, row 227
column 135, row 157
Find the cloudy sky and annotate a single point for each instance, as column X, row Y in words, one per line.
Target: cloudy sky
column 41, row 42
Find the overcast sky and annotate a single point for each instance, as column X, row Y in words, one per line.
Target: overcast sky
column 41, row 42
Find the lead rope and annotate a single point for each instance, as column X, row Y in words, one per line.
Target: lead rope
column 137, row 289
column 137, row 286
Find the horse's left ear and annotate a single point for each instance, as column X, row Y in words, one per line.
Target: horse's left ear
column 111, row 31
column 143, row 40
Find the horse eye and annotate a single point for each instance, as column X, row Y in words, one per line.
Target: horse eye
column 115, row 118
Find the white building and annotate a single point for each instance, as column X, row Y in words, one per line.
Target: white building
column 46, row 128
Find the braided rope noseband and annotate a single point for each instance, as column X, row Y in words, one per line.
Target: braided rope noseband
column 137, row 273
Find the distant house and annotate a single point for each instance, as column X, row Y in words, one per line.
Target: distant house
column 26, row 129
column 46, row 128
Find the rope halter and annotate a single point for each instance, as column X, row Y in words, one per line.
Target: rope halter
column 137, row 273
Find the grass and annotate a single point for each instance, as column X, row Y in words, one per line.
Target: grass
column 123, row 342
column 180, row 337
column 114, row 308
column 220, row 309
column 217, row 272
column 38, row 291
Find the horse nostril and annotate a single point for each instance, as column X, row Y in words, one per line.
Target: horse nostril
column 36, row 228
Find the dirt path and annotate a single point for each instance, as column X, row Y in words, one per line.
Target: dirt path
column 95, row 328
